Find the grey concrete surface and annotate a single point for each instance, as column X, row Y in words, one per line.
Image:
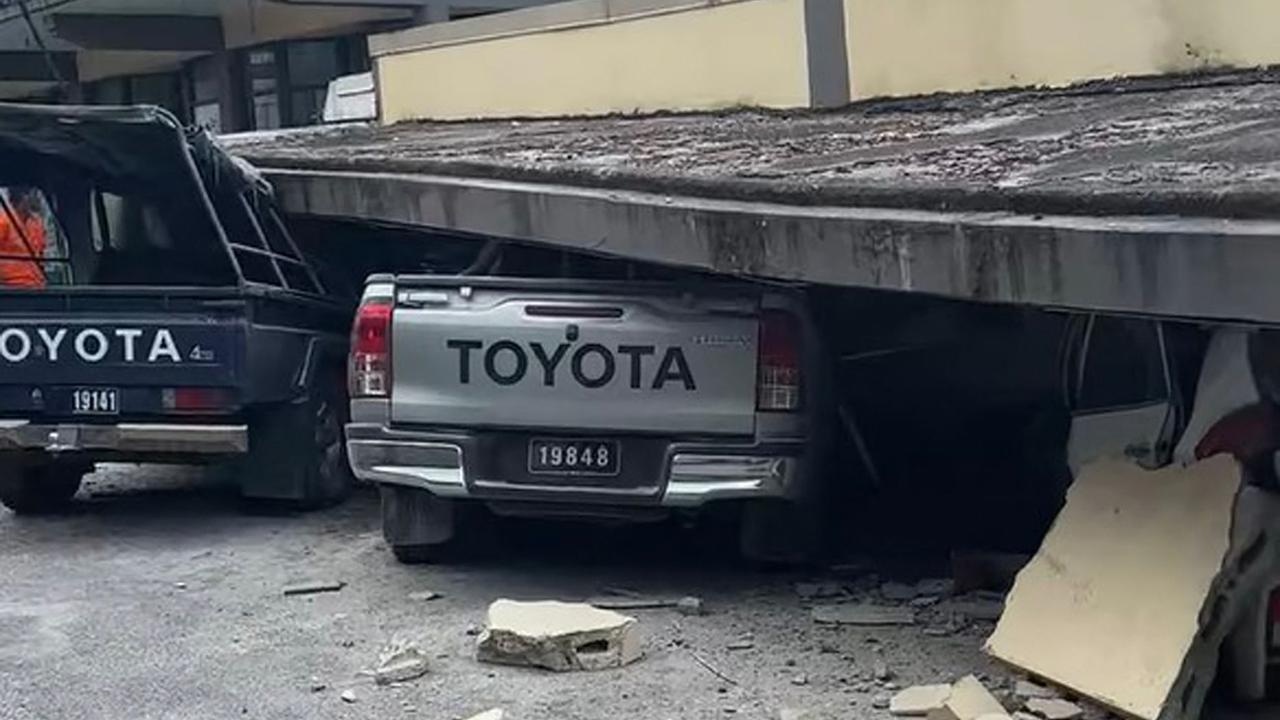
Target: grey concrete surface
column 1206, row 145
column 1151, row 197
column 157, row 598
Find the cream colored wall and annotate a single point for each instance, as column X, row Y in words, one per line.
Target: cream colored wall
column 742, row 53
column 903, row 47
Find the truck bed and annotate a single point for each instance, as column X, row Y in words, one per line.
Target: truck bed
column 1204, row 145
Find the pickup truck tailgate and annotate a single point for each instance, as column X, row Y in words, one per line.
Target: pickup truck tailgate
column 511, row 353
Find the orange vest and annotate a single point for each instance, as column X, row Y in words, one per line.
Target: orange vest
column 15, row 272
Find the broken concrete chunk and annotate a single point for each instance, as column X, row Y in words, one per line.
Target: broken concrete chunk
column 969, row 700
column 1027, row 690
column 819, row 590
column 630, row 602
column 308, row 588
column 939, row 587
column 863, row 614
column 348, row 696
column 880, row 670
column 1022, row 715
column 401, row 661
column 976, row 608
column 897, row 592
column 1113, row 606
column 1054, row 709
column 919, row 700
column 690, row 605
column 558, row 636
column 492, row 714
column 424, row 595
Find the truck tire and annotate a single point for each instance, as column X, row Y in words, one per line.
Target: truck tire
column 421, row 527
column 297, row 455
column 39, row 489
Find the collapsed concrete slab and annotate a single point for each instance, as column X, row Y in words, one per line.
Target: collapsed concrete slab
column 969, row 700
column 558, row 636
column 1138, row 582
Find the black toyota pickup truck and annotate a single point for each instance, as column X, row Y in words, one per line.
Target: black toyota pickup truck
column 155, row 308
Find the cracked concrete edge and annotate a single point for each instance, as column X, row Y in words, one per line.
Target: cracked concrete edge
column 1201, row 268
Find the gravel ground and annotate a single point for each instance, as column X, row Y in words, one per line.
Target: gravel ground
column 158, row 598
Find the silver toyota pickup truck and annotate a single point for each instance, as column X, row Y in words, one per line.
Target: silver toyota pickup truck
column 612, row 400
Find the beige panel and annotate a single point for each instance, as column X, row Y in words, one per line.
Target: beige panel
column 1137, row 583
column 744, row 53
column 901, row 47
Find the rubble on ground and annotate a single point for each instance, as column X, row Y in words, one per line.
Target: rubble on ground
column 309, row 588
column 863, row 614
column 969, row 700
column 558, row 636
column 491, row 714
column 919, row 700
column 1054, row 709
column 401, row 661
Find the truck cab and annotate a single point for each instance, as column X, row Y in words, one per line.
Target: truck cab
column 163, row 312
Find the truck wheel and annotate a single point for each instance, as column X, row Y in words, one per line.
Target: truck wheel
column 39, row 489
column 297, row 455
column 776, row 532
column 420, row 527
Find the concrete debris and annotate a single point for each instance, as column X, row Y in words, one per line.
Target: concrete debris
column 492, row 714
column 685, row 605
column 819, row 590
column 940, row 587
column 1054, row 709
column 880, row 671
column 898, row 592
column 348, row 696
column 690, row 605
column 309, row 588
column 919, row 700
column 863, row 614
column 1192, row 538
column 400, row 662
column 969, row 700
column 558, row 636
column 1023, row 715
column 800, row 680
column 994, row 716
column 424, row 595
column 980, row 570
column 975, row 608
column 317, row 685
column 880, row 702
column 1027, row 690
column 742, row 643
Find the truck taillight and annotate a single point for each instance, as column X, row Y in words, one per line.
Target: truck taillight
column 778, row 378
column 369, row 365
column 195, row 399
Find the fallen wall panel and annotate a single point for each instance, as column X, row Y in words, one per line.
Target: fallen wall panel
column 1137, row 584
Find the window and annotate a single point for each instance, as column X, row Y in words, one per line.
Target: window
column 1123, row 364
column 205, row 93
column 33, row 245
column 262, row 88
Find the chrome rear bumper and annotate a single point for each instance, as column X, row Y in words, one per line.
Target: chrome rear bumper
column 692, row 475
column 124, row 437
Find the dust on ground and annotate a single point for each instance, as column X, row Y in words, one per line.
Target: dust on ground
column 158, row 598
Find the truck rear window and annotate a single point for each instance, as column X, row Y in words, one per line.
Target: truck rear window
column 76, row 234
